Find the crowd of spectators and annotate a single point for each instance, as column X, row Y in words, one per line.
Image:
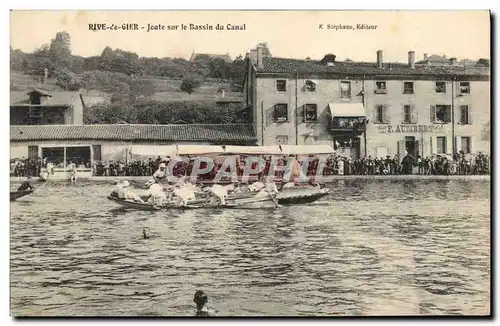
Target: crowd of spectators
column 458, row 164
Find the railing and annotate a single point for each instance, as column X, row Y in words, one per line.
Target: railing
column 354, row 126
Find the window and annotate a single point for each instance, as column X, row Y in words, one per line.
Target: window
column 464, row 88
column 310, row 86
column 311, row 112
column 408, row 88
column 281, row 112
column 380, row 114
column 441, row 145
column 407, row 114
column 464, row 115
column 380, row 87
column 281, row 85
column 441, row 113
column 440, row 87
column 282, row 140
column 345, row 89
column 465, row 145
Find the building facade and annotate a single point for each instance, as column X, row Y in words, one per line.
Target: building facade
column 90, row 143
column 39, row 107
column 373, row 109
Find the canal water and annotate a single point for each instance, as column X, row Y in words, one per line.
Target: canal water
column 371, row 248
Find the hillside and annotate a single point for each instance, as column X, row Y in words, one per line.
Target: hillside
column 165, row 90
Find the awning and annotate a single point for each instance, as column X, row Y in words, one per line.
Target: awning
column 347, row 110
column 256, row 150
column 153, row 151
column 199, row 149
column 307, row 149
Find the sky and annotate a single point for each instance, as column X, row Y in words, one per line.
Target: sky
column 291, row 34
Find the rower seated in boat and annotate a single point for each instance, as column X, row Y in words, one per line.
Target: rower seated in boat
column 269, row 189
column 118, row 186
column 233, row 188
column 256, row 186
column 157, row 196
column 25, row 186
column 184, row 191
column 127, row 194
column 219, row 192
column 161, row 173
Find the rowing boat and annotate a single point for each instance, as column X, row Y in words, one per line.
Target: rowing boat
column 240, row 201
column 14, row 195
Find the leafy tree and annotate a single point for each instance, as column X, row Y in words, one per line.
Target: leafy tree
column 190, row 83
column 60, row 50
column 64, row 78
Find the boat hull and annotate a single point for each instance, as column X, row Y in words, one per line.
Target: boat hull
column 241, row 201
column 14, row 195
column 241, row 204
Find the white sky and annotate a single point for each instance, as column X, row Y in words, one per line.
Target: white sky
column 462, row 34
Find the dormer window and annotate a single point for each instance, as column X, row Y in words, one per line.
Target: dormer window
column 310, row 86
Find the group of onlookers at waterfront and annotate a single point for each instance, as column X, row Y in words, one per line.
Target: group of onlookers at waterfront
column 458, row 164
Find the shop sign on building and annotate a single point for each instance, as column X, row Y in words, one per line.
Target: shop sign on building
column 434, row 128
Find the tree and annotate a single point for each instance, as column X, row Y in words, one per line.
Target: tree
column 64, row 78
column 60, row 50
column 190, row 83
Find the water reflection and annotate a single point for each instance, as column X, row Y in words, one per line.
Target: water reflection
column 372, row 248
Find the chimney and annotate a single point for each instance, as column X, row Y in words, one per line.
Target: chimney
column 411, row 59
column 253, row 56
column 45, row 75
column 425, row 56
column 453, row 61
column 380, row 61
column 260, row 55
column 329, row 59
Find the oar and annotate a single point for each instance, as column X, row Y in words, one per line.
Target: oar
column 272, row 198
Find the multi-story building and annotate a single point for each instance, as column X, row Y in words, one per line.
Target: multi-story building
column 373, row 109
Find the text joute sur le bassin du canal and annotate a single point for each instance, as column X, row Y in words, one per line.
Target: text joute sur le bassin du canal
column 165, row 27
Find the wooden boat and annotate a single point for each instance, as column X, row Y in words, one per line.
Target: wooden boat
column 14, row 195
column 257, row 203
column 240, row 201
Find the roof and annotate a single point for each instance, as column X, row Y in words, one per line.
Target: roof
column 224, row 57
column 435, row 58
column 139, row 132
column 58, row 98
column 286, row 65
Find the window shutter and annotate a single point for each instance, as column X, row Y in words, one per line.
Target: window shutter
column 414, row 118
column 270, row 115
column 469, row 112
column 401, row 149
column 448, row 114
column 433, row 113
column 449, row 145
column 402, row 114
column 458, row 143
column 385, row 116
column 472, row 144
column 433, row 145
column 301, row 113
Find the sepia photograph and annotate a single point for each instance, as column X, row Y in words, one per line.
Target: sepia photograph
column 250, row 163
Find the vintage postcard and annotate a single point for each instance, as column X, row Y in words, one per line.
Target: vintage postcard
column 250, row 163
